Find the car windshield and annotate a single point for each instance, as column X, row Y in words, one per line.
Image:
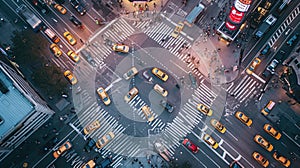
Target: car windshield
column 102, row 141
column 188, row 143
column 108, row 137
column 129, row 73
column 105, row 99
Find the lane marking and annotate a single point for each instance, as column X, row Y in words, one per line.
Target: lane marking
column 259, row 78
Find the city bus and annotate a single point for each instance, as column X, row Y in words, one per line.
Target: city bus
column 194, row 15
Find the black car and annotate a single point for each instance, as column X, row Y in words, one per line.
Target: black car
column 80, row 9
column 167, row 106
column 75, row 21
column 78, row 6
column 266, row 50
column 90, row 145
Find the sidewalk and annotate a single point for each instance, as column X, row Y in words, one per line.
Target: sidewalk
column 215, row 60
column 146, row 159
column 140, row 11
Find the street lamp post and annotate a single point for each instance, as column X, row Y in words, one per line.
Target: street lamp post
column 162, row 3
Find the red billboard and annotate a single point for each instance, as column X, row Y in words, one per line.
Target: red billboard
column 230, row 26
column 236, row 16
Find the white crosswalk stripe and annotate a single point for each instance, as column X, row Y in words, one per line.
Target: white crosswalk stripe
column 245, row 88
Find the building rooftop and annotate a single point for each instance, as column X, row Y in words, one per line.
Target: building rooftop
column 14, row 106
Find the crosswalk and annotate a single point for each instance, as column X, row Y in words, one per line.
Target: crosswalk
column 120, row 145
column 98, row 50
column 284, row 26
column 245, row 88
column 136, row 104
column 187, row 118
column 161, row 33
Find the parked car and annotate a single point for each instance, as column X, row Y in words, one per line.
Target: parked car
column 272, row 66
column 291, row 41
column 266, row 50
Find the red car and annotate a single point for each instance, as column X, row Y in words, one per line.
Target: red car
column 190, row 145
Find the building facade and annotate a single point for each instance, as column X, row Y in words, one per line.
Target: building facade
column 22, row 110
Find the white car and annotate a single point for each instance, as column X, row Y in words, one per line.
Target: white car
column 272, row 66
column 160, row 90
column 130, row 73
column 131, row 94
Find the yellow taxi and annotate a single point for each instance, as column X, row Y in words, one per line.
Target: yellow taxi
column 160, row 90
column 60, row 9
column 204, row 109
column 210, row 141
column 263, row 142
column 70, row 76
column 177, row 30
column 252, row 67
column 260, row 159
column 89, row 164
column 92, row 126
column 147, row 113
column 66, row 146
column 272, row 131
column 281, row 159
column 242, row 117
column 71, row 40
column 103, row 95
column 55, row 49
column 131, row 94
column 220, row 127
column 73, row 55
column 160, row 74
column 105, row 139
column 120, row 48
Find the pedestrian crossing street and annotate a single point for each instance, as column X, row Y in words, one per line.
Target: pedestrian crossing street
column 245, row 89
column 120, row 145
column 161, row 33
column 118, row 32
column 136, row 104
column 187, row 118
column 124, row 145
